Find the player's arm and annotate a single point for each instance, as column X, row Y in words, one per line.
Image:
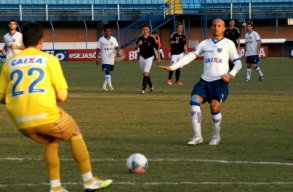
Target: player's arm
column 118, row 51
column 182, row 62
column 156, row 46
column 98, row 51
column 233, row 54
column 238, row 39
column 185, row 47
column 61, row 96
column 258, row 46
column 173, row 39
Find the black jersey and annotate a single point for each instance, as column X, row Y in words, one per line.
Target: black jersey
column 232, row 34
column 177, row 49
column 146, row 50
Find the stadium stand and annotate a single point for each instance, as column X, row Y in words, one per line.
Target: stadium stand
column 88, row 16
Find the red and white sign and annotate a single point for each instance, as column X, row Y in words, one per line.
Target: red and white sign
column 129, row 54
column 81, row 55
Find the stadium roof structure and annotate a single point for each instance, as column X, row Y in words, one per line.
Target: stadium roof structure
column 113, row 10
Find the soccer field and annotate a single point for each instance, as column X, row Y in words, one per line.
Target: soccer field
column 256, row 153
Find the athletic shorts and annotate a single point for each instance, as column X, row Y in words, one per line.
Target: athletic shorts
column 253, row 59
column 145, row 64
column 176, row 58
column 214, row 90
column 62, row 129
column 107, row 67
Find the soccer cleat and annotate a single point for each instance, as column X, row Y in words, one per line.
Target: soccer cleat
column 142, row 91
column 104, row 87
column 246, row 80
column 97, row 184
column 111, row 88
column 215, row 141
column 151, row 89
column 59, row 190
column 195, row 141
column 169, row 81
column 179, row 83
column 261, row 78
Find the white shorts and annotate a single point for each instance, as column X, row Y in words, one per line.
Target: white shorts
column 176, row 58
column 145, row 64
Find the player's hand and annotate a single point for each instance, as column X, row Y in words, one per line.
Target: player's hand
column 168, row 68
column 177, row 41
column 140, row 42
column 227, row 77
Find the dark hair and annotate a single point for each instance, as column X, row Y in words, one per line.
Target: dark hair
column 32, row 33
column 250, row 24
column 231, row 20
column 106, row 27
column 179, row 23
column 146, row 25
column 12, row 20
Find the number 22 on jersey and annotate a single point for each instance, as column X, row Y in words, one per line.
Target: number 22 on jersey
column 19, row 76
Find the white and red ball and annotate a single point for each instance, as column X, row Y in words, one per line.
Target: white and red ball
column 137, row 163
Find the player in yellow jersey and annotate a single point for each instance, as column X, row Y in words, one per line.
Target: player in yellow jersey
column 31, row 86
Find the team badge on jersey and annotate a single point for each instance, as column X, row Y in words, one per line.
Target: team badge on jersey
column 219, row 50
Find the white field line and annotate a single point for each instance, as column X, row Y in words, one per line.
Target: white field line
column 162, row 183
column 161, row 160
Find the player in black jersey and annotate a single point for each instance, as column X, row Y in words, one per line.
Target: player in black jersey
column 146, row 45
column 178, row 50
column 233, row 34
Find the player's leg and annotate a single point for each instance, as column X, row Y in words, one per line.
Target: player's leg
column 178, row 71
column 148, row 66
column 248, row 69
column 50, row 155
column 257, row 68
column 197, row 97
column 109, row 78
column 173, row 61
column 219, row 93
column 177, row 75
column 217, row 120
column 66, row 129
column 142, row 64
column 105, row 68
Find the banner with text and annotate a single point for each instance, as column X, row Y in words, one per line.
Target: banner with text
column 129, row 54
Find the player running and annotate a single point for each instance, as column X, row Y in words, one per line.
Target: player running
column 178, row 50
column 252, row 48
column 108, row 48
column 146, row 45
column 213, row 85
column 31, row 86
column 12, row 40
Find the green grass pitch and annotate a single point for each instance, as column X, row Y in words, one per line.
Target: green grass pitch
column 256, row 153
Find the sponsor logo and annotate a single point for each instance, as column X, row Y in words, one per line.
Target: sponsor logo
column 82, row 55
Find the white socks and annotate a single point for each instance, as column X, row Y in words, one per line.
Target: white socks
column 195, row 115
column 217, row 120
column 248, row 73
column 108, row 80
column 259, row 71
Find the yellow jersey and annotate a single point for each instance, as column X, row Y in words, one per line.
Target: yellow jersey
column 30, row 80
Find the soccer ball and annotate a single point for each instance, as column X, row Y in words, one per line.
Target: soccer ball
column 137, row 163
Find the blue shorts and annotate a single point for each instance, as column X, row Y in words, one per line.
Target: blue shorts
column 253, row 59
column 107, row 67
column 209, row 91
